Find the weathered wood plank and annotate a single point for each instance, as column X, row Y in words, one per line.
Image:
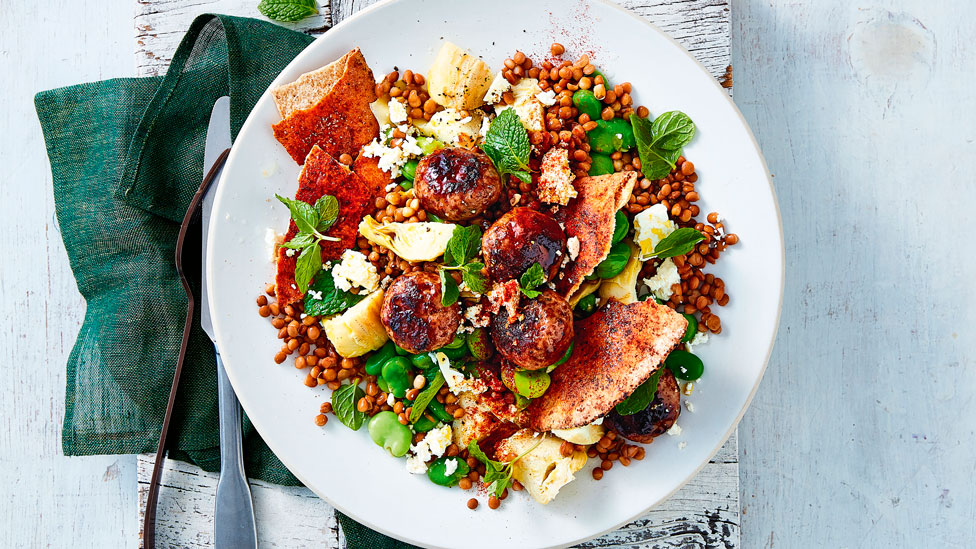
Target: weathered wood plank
column 704, row 513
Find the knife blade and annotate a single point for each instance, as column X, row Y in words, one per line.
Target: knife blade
column 234, row 525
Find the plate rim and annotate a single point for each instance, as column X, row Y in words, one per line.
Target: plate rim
column 308, row 51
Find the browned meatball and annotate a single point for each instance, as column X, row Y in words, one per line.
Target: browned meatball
column 520, row 238
column 654, row 420
column 456, row 184
column 413, row 315
column 539, row 335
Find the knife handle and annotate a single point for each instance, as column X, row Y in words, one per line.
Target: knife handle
column 233, row 512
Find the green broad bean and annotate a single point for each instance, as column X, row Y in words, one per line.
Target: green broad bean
column 600, row 164
column 424, row 424
column 587, row 103
column 692, row 329
column 685, row 365
column 406, row 184
column 531, row 383
column 606, row 81
column 479, row 344
column 374, row 364
column 454, row 353
column 458, row 341
column 396, row 372
column 429, row 144
column 615, row 262
column 610, row 136
column 409, row 169
column 587, row 305
column 522, row 402
column 386, row 430
column 401, row 351
column 621, row 226
column 423, row 362
column 382, row 384
column 437, row 472
column 438, row 411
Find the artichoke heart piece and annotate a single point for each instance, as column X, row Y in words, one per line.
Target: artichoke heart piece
column 623, row 287
column 544, row 470
column 457, row 79
column 358, row 330
column 585, row 435
column 585, row 289
column 448, row 126
column 527, row 106
column 411, row 241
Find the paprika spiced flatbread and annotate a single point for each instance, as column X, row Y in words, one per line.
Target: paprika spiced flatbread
column 616, row 349
column 324, row 175
column 329, row 108
column 589, row 217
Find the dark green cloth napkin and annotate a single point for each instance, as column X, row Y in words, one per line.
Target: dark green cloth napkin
column 126, row 157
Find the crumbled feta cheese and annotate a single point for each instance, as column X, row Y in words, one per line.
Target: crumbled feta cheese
column 699, row 339
column 475, row 314
column 290, row 252
column 547, row 98
column 556, row 180
column 314, row 294
column 689, row 388
column 271, row 240
column 690, row 406
column 391, row 187
column 421, row 450
column 450, row 466
column 682, row 445
column 674, row 431
column 450, row 127
column 438, row 440
column 392, row 159
column 398, row 112
column 416, row 466
column 485, row 124
column 456, row 381
column 599, row 421
column 650, row 227
column 355, row 270
column 660, row 283
column 498, row 87
column 573, row 247
column 390, row 399
column 529, row 109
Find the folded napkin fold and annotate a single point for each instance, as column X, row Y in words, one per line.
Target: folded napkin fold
column 126, row 157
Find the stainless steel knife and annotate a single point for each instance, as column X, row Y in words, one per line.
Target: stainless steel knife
column 234, row 512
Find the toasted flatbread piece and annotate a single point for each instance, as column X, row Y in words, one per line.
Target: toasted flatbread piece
column 617, row 349
column 324, row 175
column 329, row 108
column 589, row 217
column 368, row 167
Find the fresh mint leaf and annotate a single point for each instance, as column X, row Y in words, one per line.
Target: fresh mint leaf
column 464, row 245
column 642, row 397
column 498, row 475
column 507, row 145
column 324, row 299
column 449, row 289
column 287, row 11
column 533, row 277
column 425, row 396
column 673, row 130
column 472, row 277
column 309, row 264
column 344, row 400
column 328, row 209
column 300, row 241
column 679, row 242
column 305, row 216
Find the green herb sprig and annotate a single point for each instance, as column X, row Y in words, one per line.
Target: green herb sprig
column 532, row 278
column 312, row 222
column 507, row 145
column 287, row 11
column 498, row 474
column 678, row 242
column 344, row 400
column 642, row 397
column 324, row 299
column 425, row 396
column 659, row 143
column 463, row 247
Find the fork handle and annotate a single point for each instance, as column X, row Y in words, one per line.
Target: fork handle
column 234, row 512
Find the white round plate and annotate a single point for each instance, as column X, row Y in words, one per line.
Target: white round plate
column 360, row 478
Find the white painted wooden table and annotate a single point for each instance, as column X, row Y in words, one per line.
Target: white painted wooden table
column 704, row 513
column 862, row 432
